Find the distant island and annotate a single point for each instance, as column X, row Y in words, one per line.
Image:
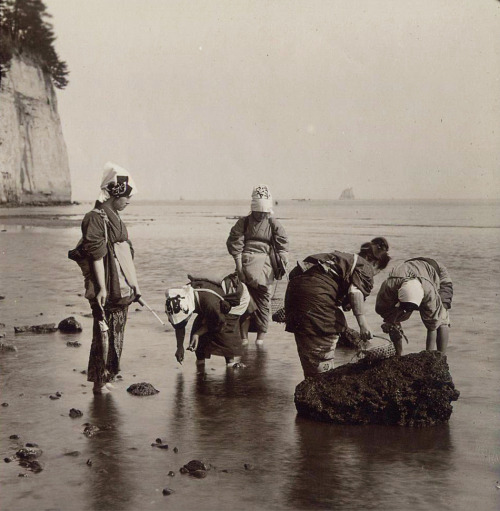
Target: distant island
column 347, row 194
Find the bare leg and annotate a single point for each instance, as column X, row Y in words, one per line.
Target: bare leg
column 260, row 338
column 443, row 334
column 430, row 342
column 244, row 327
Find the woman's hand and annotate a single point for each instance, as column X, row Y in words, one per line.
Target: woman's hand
column 193, row 343
column 102, row 296
column 179, row 354
column 365, row 333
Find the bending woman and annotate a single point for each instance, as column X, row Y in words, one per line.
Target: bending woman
column 421, row 284
column 219, row 305
column 110, row 282
column 250, row 243
column 317, row 289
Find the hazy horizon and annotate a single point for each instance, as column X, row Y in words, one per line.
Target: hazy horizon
column 203, row 100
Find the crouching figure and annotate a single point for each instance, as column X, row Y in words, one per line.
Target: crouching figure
column 220, row 305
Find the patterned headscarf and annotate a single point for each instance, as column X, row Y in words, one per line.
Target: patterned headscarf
column 180, row 304
column 262, row 199
column 116, row 182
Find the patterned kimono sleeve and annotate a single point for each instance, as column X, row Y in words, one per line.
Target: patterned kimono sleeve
column 94, row 235
column 236, row 241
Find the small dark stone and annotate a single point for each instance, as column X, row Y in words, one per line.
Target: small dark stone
column 33, row 465
column 36, row 329
column 171, row 473
column 29, row 453
column 119, row 376
column 5, row 405
column 83, row 372
column 184, row 470
column 59, row 394
column 54, row 397
column 196, row 465
column 142, row 389
column 199, row 474
column 225, row 470
column 248, row 466
column 89, row 463
column 158, row 441
column 7, row 460
column 74, row 413
column 175, row 449
column 74, row 454
column 14, row 437
column 22, row 475
column 167, row 491
column 70, row 325
column 90, row 430
column 73, row 344
column 162, row 446
column 31, row 444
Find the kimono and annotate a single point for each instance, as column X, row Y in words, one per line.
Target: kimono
column 105, row 236
column 252, row 241
column 223, row 337
column 438, row 292
column 317, row 290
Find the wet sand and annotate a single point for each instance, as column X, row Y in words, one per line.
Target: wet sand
column 233, row 418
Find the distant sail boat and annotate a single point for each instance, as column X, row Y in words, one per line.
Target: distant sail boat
column 347, row 194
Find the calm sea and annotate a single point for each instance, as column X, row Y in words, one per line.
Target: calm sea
column 231, row 418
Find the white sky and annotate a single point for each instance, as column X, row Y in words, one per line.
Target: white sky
column 204, row 99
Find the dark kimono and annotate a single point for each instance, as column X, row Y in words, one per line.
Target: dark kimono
column 98, row 244
column 317, row 289
column 223, row 337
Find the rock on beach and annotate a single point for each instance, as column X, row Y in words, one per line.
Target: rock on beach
column 70, row 325
column 413, row 390
column 46, row 328
column 142, row 389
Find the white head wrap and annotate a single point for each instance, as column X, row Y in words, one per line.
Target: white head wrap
column 411, row 291
column 110, row 176
column 262, row 199
column 180, row 304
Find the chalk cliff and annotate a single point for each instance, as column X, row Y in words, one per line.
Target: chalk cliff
column 33, row 158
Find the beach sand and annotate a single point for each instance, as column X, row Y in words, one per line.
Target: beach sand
column 233, row 418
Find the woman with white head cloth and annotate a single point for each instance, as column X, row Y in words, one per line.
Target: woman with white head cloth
column 253, row 242
column 421, row 284
column 110, row 278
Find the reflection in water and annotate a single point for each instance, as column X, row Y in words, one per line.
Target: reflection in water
column 110, row 487
column 366, row 466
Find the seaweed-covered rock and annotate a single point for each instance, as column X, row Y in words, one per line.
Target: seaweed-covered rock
column 142, row 389
column 90, row 430
column 47, row 328
column 74, row 413
column 413, row 390
column 73, row 344
column 70, row 325
column 352, row 340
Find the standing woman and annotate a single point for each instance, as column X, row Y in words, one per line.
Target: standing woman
column 110, row 282
column 250, row 242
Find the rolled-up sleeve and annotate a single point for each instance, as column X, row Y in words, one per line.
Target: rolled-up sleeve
column 94, row 235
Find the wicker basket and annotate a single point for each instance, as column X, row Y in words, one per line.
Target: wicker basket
column 278, row 309
column 377, row 349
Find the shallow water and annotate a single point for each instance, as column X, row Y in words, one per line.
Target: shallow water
column 234, row 417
